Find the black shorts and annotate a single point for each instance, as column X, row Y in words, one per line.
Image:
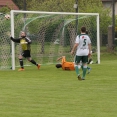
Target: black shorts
column 84, row 59
column 26, row 54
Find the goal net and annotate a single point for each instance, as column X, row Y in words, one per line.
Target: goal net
column 5, row 45
column 53, row 34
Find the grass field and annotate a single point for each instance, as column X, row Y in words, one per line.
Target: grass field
column 51, row 92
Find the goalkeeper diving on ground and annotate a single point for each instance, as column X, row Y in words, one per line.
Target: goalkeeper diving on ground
column 65, row 65
column 25, row 43
column 71, row 65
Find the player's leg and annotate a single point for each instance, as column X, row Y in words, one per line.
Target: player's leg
column 84, row 71
column 81, row 65
column 77, row 65
column 89, row 69
column 33, row 62
column 90, row 58
column 89, row 61
column 84, row 60
column 21, row 63
column 28, row 56
column 63, row 59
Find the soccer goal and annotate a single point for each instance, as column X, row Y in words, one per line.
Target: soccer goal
column 53, row 34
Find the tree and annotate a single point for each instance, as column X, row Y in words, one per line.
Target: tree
column 84, row 6
column 4, row 10
column 91, row 6
column 19, row 3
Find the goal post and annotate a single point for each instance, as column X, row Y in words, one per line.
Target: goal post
column 53, row 33
column 12, row 43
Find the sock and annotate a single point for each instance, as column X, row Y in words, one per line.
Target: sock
column 88, row 67
column 77, row 70
column 33, row 62
column 84, row 71
column 21, row 63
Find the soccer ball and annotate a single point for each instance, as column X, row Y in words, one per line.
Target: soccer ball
column 7, row 16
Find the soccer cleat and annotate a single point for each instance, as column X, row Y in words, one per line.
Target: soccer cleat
column 79, row 77
column 83, row 79
column 89, row 70
column 21, row 69
column 38, row 66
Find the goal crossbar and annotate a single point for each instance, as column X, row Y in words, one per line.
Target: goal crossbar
column 59, row 13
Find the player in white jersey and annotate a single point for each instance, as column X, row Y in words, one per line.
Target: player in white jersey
column 83, row 46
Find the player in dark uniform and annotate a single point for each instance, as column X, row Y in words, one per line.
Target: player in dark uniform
column 25, row 45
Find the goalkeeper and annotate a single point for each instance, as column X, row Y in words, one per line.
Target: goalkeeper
column 25, row 43
column 65, row 65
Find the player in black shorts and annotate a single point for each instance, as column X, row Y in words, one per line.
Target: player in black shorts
column 25, row 45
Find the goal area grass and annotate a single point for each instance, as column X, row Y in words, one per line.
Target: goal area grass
column 52, row 92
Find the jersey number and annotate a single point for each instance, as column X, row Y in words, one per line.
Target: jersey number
column 84, row 42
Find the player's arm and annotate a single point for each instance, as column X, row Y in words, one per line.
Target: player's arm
column 89, row 46
column 28, row 41
column 15, row 40
column 74, row 48
column 60, row 58
column 90, row 52
column 75, row 45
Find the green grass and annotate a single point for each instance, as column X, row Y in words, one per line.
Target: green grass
column 51, row 92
